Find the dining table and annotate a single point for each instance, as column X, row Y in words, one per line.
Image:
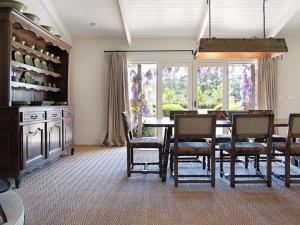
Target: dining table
column 169, row 124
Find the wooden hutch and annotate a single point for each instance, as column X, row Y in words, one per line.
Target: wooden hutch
column 32, row 134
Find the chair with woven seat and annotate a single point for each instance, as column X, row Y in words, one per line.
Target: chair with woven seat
column 140, row 142
column 194, row 127
column 275, row 137
column 249, row 126
column 186, row 158
column 290, row 148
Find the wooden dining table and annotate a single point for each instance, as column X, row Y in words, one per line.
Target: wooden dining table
column 168, row 124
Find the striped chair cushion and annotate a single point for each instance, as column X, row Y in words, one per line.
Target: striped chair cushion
column 192, row 148
column 280, row 146
column 245, row 147
column 146, row 142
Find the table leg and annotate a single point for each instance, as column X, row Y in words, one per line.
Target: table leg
column 2, row 214
column 166, row 154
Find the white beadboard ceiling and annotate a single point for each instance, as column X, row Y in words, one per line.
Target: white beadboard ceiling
column 172, row 18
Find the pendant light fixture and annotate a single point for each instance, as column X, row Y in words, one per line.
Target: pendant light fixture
column 220, row 48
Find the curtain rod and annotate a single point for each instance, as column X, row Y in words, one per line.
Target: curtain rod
column 185, row 50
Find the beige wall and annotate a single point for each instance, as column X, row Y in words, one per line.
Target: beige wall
column 289, row 79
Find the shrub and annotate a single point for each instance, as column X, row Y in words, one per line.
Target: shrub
column 170, row 107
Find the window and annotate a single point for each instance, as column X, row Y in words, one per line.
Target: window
column 142, row 95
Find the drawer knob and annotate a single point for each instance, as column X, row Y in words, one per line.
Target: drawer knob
column 34, row 117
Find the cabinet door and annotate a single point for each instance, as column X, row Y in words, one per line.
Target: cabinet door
column 68, row 134
column 33, row 147
column 54, row 139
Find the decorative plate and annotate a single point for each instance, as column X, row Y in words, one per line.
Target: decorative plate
column 13, row 4
column 44, row 65
column 48, row 28
column 28, row 77
column 28, row 60
column 32, row 17
column 18, row 57
column 50, row 67
column 37, row 63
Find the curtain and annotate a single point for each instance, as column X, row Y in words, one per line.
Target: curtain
column 267, row 84
column 116, row 96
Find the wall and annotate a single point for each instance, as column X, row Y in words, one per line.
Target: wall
column 289, row 79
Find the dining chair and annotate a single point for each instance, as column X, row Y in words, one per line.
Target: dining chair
column 194, row 127
column 140, row 142
column 290, row 148
column 249, row 126
column 185, row 158
column 275, row 137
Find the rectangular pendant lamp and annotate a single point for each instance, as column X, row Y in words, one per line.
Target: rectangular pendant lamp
column 249, row 48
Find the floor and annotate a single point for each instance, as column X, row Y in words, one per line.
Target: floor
column 91, row 188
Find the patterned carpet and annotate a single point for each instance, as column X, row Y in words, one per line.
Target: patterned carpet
column 91, row 188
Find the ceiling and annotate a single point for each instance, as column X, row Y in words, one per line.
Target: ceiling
column 172, row 18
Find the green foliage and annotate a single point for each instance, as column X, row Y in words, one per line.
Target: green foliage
column 218, row 107
column 148, row 132
column 170, row 107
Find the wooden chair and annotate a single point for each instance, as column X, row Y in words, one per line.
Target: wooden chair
column 143, row 142
column 290, row 148
column 194, row 127
column 275, row 137
column 221, row 115
column 185, row 158
column 249, row 126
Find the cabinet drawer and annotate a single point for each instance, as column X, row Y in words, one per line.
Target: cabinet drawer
column 54, row 115
column 68, row 113
column 33, row 116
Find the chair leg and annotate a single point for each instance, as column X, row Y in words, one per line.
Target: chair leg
column 232, row 170
column 160, row 161
column 204, row 162
column 221, row 163
column 208, row 163
column 131, row 156
column 246, row 162
column 269, row 168
column 213, row 170
column 257, row 163
column 287, row 170
column 128, row 161
column 175, row 169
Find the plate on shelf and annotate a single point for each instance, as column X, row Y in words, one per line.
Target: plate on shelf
column 44, row 65
column 37, row 63
column 32, row 17
column 18, row 57
column 19, row 103
column 28, row 60
column 50, row 67
column 28, row 78
column 13, row 4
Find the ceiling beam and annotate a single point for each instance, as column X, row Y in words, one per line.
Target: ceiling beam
column 204, row 20
column 123, row 12
column 285, row 17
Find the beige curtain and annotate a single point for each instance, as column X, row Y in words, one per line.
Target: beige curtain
column 116, row 96
column 267, row 84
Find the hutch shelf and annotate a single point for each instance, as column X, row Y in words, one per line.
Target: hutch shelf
column 33, row 71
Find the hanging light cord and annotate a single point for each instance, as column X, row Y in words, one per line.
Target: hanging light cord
column 209, row 16
column 264, row 17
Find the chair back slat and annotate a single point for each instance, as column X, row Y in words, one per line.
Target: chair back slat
column 220, row 114
column 194, row 126
column 252, row 125
column 230, row 113
column 294, row 125
column 182, row 112
column 127, row 126
column 260, row 111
